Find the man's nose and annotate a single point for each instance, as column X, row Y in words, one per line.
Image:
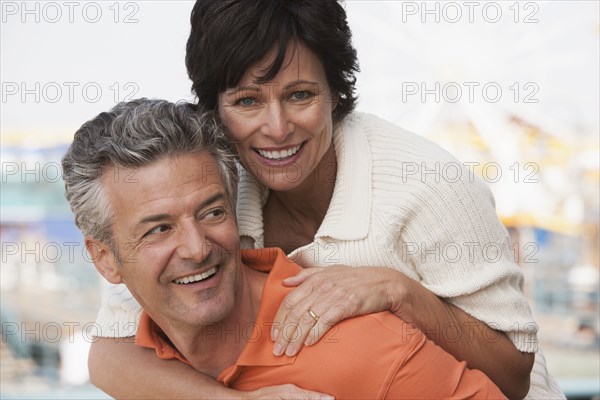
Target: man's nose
column 193, row 244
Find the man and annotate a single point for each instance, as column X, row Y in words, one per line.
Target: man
column 152, row 187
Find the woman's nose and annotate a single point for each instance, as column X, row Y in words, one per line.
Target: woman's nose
column 277, row 124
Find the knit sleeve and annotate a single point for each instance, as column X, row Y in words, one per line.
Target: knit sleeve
column 119, row 313
column 462, row 252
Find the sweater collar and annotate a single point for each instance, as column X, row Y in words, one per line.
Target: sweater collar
column 348, row 215
column 251, row 196
column 349, row 212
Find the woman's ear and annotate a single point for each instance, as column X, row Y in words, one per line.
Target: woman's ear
column 104, row 259
column 335, row 98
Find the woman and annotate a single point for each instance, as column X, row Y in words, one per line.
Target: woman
column 331, row 186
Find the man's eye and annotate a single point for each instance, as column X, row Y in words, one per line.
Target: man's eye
column 215, row 214
column 157, row 229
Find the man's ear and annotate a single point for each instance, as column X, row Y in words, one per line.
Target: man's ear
column 104, row 260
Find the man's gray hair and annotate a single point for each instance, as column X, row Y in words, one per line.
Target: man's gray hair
column 132, row 135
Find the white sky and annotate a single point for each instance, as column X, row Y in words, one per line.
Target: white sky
column 52, row 51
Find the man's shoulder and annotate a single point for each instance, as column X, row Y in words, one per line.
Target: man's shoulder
column 383, row 327
column 271, row 260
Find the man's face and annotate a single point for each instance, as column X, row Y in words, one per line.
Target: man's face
column 176, row 239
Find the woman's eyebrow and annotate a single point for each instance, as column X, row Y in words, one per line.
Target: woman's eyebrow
column 300, row 82
column 242, row 89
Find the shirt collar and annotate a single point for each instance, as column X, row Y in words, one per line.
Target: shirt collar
column 259, row 349
column 151, row 336
column 348, row 215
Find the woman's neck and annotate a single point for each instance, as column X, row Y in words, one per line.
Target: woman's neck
column 301, row 211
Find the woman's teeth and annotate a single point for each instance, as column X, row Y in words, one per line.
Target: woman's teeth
column 196, row 278
column 278, row 155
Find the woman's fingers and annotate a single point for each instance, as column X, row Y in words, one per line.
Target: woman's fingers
column 323, row 325
column 288, row 391
column 325, row 296
column 330, row 305
column 299, row 277
column 287, row 310
column 289, row 313
column 296, row 322
column 311, row 309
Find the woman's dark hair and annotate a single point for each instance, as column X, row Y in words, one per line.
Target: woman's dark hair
column 228, row 36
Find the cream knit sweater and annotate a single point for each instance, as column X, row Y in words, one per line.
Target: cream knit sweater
column 402, row 202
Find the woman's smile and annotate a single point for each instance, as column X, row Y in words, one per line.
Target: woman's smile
column 283, row 123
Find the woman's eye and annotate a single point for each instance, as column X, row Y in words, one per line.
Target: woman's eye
column 300, row 95
column 246, row 101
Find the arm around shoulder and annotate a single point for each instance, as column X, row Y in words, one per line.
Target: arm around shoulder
column 126, row 371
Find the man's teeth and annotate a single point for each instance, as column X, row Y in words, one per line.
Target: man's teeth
column 277, row 155
column 196, row 278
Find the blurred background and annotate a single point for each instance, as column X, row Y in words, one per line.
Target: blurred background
column 509, row 87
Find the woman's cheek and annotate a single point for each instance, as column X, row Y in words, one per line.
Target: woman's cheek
column 239, row 149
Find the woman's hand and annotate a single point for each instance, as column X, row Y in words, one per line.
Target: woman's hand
column 287, row 391
column 338, row 292
column 325, row 296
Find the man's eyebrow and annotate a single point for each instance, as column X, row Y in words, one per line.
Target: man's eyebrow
column 153, row 218
column 212, row 199
column 161, row 217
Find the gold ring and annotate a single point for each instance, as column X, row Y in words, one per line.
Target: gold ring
column 313, row 315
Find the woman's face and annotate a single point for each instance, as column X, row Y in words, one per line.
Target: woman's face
column 282, row 128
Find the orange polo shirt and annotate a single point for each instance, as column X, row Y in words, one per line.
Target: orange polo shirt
column 374, row 356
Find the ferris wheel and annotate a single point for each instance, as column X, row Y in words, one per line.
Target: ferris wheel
column 510, row 83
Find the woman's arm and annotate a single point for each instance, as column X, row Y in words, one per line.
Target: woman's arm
column 468, row 339
column 338, row 292
column 126, row 371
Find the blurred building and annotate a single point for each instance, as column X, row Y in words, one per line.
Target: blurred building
column 49, row 288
